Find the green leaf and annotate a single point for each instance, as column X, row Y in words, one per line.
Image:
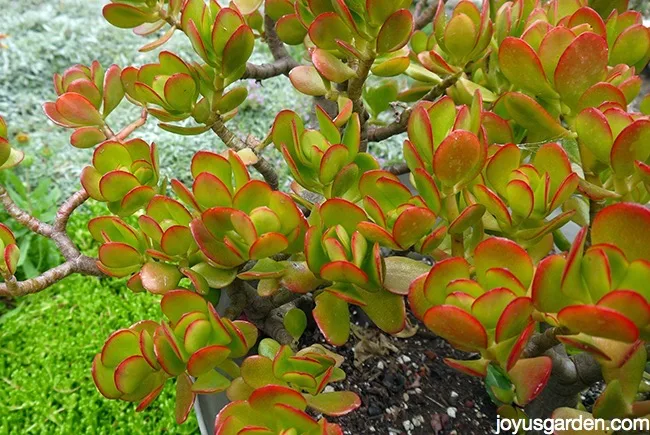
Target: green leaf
column 237, row 51
column 307, row 80
column 159, row 278
column 395, row 32
column 379, row 97
column 335, row 403
column 333, row 318
column 496, row 379
column 295, row 322
column 124, row 15
column 290, row 30
column 522, row 67
column 184, row 398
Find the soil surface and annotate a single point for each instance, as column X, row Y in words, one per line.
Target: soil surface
column 406, row 388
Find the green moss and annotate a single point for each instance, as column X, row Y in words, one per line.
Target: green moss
column 46, row 347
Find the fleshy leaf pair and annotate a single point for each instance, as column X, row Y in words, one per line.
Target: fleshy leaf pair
column 521, row 196
column 336, row 252
column 447, row 142
column 613, row 143
column 220, row 36
column 324, row 161
column 272, row 410
column 308, row 371
column 128, row 368
column 344, row 28
column 241, row 218
column 560, row 65
column 135, row 362
column 399, row 219
column 601, row 290
column 86, row 96
column 10, row 252
column 169, row 89
column 628, row 39
column 123, row 248
column 462, row 38
column 122, row 174
column 488, row 313
column 140, row 15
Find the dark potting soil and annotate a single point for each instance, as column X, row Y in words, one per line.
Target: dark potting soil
column 406, row 388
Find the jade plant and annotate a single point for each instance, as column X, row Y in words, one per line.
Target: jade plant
column 517, row 128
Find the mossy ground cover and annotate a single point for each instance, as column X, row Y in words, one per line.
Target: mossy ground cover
column 47, row 344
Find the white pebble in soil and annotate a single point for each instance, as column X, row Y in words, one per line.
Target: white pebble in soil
column 418, row 420
column 451, row 412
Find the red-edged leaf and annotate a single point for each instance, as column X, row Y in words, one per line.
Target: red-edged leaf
column 333, row 318
column 515, row 317
column 395, row 32
column 459, row 158
column 520, row 64
column 417, row 300
column 124, row 15
column 87, row 137
column 412, row 225
column 600, row 322
column 442, row 273
column 326, row 29
column 130, row 373
column 529, row 377
column 159, row 278
column 629, row 303
column 582, row 64
column 497, row 252
column 184, row 398
column 78, row 110
column 335, row 404
column 630, row 146
column 206, row 359
column 344, row 271
column 488, row 307
column 625, row 226
column 268, row 245
column 457, row 326
column 476, row 367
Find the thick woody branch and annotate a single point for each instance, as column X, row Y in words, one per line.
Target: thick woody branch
column 277, row 47
column 82, row 264
column 540, row 343
column 355, row 91
column 232, row 141
column 75, row 262
column 424, row 14
column 266, row 313
column 570, row 376
column 24, row 218
column 397, row 169
column 268, row 70
column 381, row 133
column 67, row 208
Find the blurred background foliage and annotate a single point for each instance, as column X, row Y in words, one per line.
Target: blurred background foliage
column 47, row 341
